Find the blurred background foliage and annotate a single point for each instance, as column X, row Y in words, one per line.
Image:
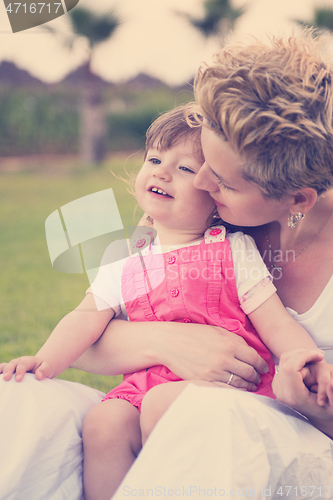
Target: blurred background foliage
column 37, row 122
column 85, row 115
column 46, row 120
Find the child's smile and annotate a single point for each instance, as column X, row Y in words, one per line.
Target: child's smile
column 159, row 192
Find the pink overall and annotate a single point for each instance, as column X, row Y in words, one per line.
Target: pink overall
column 192, row 284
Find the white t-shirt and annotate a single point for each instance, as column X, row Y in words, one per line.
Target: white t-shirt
column 318, row 321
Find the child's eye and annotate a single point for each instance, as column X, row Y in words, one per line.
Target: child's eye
column 186, row 169
column 155, row 161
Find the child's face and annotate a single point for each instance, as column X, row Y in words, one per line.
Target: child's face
column 165, row 191
column 238, row 201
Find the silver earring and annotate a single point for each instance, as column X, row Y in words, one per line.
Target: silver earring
column 294, row 218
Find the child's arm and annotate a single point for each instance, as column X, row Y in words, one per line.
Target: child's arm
column 281, row 333
column 70, row 338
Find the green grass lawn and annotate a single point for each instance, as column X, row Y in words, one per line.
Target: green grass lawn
column 34, row 297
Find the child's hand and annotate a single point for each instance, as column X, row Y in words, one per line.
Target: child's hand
column 320, row 379
column 21, row 366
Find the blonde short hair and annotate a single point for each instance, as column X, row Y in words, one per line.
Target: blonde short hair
column 273, row 103
column 173, row 126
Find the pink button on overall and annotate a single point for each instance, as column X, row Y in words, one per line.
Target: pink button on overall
column 215, row 231
column 140, row 243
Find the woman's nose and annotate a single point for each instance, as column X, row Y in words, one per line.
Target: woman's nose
column 205, row 179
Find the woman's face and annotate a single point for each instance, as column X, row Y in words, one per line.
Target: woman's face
column 239, row 202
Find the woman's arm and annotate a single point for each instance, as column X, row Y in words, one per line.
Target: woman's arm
column 191, row 351
column 289, row 388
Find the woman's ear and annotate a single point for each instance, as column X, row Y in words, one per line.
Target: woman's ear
column 303, row 200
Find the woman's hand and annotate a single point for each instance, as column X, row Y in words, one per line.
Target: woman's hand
column 191, row 351
column 209, row 353
column 289, row 388
column 21, row 366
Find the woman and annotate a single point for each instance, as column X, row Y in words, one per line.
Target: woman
column 295, row 127
column 267, row 139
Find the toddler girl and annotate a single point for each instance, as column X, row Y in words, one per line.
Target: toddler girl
column 193, row 272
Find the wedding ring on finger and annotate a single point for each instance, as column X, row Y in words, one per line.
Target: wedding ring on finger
column 230, row 378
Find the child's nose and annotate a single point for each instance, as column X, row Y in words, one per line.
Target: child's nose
column 161, row 172
column 205, row 180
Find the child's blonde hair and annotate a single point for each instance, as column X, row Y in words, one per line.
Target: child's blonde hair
column 172, row 126
column 274, row 104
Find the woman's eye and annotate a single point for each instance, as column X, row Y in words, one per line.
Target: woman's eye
column 223, row 186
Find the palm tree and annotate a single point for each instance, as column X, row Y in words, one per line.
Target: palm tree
column 95, row 29
column 322, row 19
column 219, row 18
